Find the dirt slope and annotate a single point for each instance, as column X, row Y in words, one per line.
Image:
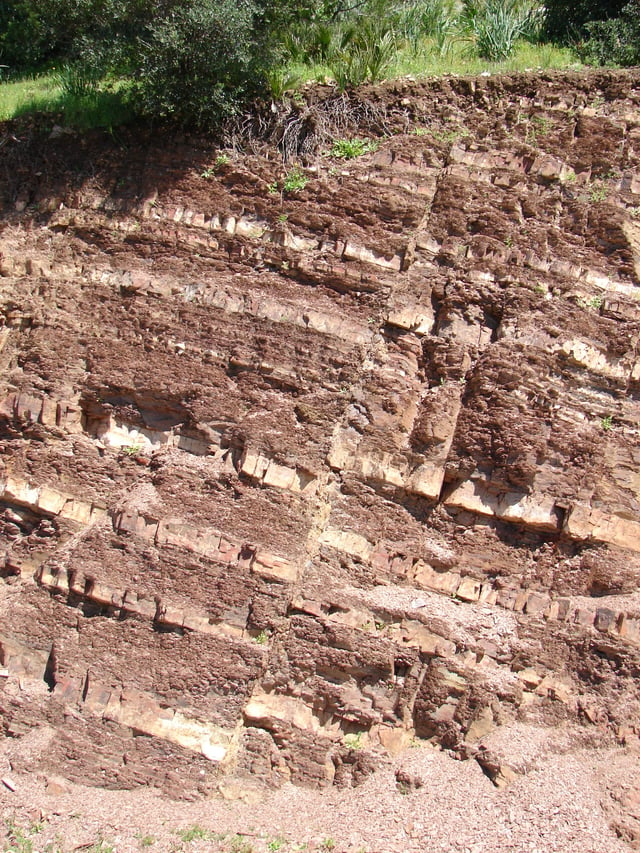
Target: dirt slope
column 294, row 481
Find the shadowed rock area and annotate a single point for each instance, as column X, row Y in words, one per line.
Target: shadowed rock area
column 293, row 481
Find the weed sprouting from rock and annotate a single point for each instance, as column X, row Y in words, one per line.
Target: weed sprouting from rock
column 295, row 180
column 348, row 149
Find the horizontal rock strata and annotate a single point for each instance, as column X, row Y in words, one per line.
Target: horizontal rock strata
column 290, row 479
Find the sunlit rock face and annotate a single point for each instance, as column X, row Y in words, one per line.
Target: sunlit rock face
column 289, row 480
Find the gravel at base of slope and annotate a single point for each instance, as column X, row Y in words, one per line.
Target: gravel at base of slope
column 557, row 806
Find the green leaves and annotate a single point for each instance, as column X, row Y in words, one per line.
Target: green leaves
column 347, row 149
column 496, row 25
column 615, row 41
column 367, row 49
column 565, row 19
column 198, row 65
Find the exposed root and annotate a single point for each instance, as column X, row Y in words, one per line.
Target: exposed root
column 301, row 130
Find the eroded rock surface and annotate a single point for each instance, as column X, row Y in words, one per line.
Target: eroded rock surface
column 288, row 480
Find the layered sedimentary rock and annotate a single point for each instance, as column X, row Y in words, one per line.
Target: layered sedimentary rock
column 290, row 479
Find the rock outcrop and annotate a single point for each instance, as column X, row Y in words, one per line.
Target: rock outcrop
column 290, row 479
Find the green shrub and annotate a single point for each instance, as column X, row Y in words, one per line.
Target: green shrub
column 426, row 19
column 34, row 32
column 26, row 39
column 615, row 41
column 199, row 66
column 495, row 26
column 281, row 80
column 367, row 48
column 565, row 19
column 194, row 61
column 312, row 42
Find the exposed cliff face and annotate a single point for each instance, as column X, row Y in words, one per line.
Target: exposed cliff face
column 289, row 479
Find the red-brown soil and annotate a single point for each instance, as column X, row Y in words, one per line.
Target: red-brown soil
column 319, row 510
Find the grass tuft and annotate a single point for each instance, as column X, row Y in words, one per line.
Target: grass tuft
column 347, row 149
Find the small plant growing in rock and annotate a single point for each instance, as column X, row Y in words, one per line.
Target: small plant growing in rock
column 20, row 840
column 101, row 846
column 295, row 181
column 542, row 124
column 598, row 192
column 262, row 637
column 570, row 177
column 239, row 844
column 448, row 137
column 606, row 423
column 353, row 740
column 328, row 844
column 220, row 162
column 132, row 449
column 276, row 844
column 194, row 833
column 348, row 149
